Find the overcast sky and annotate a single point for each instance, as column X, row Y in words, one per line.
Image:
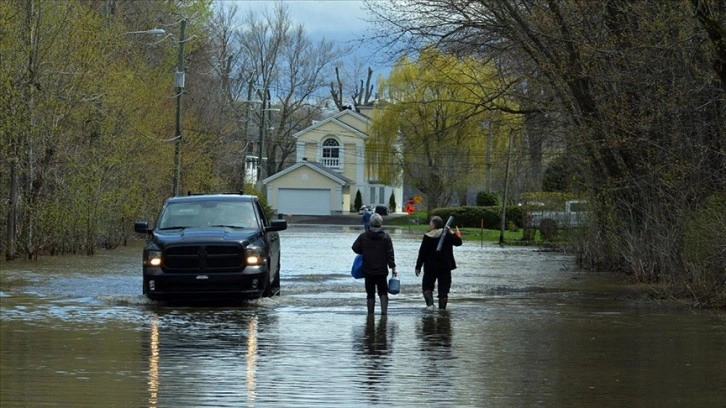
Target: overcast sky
column 337, row 20
column 332, row 18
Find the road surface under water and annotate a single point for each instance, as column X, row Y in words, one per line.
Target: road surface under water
column 523, row 329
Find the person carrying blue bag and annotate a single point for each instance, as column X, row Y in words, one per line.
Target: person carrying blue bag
column 376, row 247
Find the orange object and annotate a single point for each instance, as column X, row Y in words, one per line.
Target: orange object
column 410, row 208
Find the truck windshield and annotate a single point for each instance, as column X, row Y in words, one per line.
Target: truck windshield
column 208, row 214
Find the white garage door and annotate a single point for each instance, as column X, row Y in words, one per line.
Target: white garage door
column 303, row 202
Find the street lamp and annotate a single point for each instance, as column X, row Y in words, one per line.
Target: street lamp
column 179, row 85
column 153, row 31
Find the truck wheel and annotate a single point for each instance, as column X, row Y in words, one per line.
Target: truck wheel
column 267, row 292
column 276, row 282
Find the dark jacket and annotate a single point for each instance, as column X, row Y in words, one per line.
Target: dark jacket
column 377, row 249
column 437, row 261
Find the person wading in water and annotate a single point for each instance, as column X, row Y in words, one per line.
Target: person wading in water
column 376, row 247
column 437, row 265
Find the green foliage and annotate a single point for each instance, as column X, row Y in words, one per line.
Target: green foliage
column 431, row 129
column 391, row 203
column 472, row 217
column 548, row 229
column 101, row 112
column 556, row 176
column 563, row 175
column 515, row 214
column 251, row 190
column 484, row 199
column 705, row 251
column 358, row 202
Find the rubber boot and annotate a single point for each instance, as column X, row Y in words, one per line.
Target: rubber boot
column 443, row 302
column 371, row 306
column 429, row 298
column 384, row 305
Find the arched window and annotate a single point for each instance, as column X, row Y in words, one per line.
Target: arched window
column 331, row 153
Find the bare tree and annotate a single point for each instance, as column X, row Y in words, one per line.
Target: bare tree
column 361, row 94
column 287, row 72
column 621, row 76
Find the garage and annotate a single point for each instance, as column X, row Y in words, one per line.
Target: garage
column 303, row 201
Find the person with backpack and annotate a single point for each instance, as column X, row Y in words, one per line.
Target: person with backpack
column 376, row 247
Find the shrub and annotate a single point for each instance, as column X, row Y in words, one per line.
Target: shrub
column 471, row 216
column 391, row 203
column 484, row 199
column 358, row 202
column 251, row 190
column 705, row 254
column 548, row 229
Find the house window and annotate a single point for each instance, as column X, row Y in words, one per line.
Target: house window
column 331, row 153
column 377, row 194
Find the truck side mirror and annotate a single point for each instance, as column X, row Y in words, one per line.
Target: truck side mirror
column 142, row 227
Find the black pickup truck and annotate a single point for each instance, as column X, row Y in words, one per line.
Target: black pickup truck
column 211, row 247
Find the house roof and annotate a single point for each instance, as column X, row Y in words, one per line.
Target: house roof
column 336, row 119
column 315, row 166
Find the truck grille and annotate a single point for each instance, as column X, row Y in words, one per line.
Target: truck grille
column 203, row 258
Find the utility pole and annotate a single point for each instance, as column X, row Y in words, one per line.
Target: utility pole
column 486, row 123
column 506, row 185
column 261, row 143
column 489, row 159
column 264, row 110
column 179, row 84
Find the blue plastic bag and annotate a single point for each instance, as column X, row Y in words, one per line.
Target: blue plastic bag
column 357, row 270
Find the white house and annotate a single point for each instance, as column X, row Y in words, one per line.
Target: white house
column 330, row 168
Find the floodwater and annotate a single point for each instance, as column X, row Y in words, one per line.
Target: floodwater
column 523, row 329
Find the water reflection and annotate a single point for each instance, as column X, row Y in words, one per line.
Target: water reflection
column 154, row 363
column 251, row 358
column 435, row 331
column 193, row 355
column 374, row 345
column 435, row 337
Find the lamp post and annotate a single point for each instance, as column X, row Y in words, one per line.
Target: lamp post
column 179, row 84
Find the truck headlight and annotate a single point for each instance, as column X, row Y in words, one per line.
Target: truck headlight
column 253, row 256
column 152, row 258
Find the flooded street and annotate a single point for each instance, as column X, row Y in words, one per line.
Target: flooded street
column 523, row 329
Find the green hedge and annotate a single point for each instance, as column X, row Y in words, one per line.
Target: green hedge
column 471, row 217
